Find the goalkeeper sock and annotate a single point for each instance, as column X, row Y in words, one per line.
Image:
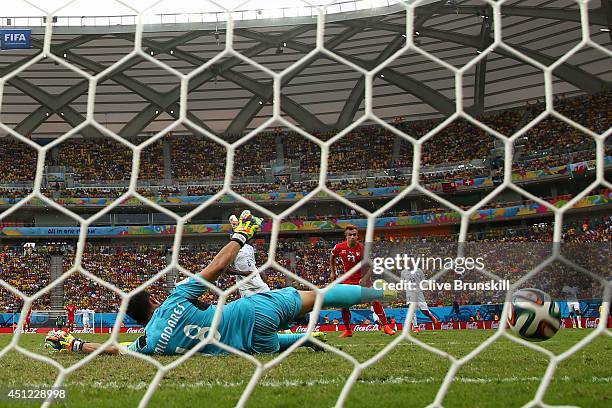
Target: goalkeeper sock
column 286, row 340
column 349, row 295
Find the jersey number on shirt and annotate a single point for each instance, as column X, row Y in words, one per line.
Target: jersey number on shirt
column 195, row 332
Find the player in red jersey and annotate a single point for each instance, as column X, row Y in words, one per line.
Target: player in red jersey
column 26, row 323
column 70, row 310
column 350, row 253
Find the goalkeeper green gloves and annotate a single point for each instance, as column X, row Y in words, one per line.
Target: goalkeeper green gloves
column 245, row 227
column 61, row 341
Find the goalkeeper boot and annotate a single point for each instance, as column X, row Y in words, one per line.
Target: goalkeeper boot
column 388, row 330
column 346, row 333
column 416, row 329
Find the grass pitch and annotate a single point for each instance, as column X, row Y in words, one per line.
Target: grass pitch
column 505, row 374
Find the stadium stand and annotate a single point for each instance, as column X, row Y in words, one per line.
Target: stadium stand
column 129, row 265
column 366, row 148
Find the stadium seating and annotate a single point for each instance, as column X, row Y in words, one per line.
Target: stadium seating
column 128, row 266
column 193, row 159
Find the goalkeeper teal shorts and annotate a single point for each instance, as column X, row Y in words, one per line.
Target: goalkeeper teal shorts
column 275, row 310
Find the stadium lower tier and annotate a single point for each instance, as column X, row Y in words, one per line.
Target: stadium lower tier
column 29, row 269
column 364, row 318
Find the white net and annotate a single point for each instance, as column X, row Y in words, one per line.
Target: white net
column 278, row 120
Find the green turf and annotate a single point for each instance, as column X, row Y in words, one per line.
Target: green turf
column 505, row 374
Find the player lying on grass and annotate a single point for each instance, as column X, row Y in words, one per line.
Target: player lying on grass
column 249, row 324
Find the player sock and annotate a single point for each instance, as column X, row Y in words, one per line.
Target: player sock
column 286, row 340
column 349, row 295
column 380, row 312
column 346, row 317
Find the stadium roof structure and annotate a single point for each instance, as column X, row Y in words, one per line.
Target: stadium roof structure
column 231, row 97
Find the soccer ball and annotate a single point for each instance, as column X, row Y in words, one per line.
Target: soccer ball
column 534, row 316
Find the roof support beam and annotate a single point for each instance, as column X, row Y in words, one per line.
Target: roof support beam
column 354, row 101
column 309, row 121
column 567, row 72
column 71, row 116
column 606, row 11
column 427, row 94
column 551, row 13
column 224, row 69
column 253, row 107
column 61, row 102
column 350, row 108
column 481, row 67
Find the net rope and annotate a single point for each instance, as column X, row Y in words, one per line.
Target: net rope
column 405, row 336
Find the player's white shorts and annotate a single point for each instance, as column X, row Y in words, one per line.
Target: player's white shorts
column 418, row 297
column 573, row 306
column 421, row 306
column 255, row 285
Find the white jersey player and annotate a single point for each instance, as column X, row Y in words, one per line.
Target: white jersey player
column 573, row 305
column 375, row 318
column 86, row 313
column 415, row 277
column 243, row 265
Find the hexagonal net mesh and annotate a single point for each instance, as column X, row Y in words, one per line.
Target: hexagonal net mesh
column 232, row 148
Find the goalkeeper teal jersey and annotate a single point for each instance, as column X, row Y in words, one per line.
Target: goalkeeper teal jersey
column 182, row 321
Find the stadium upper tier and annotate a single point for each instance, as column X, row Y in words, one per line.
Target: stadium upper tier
column 460, row 149
column 128, row 266
column 320, row 92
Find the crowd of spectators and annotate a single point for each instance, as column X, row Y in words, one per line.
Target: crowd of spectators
column 196, row 158
column 585, row 242
column 26, row 271
column 254, row 155
column 151, row 164
column 365, row 148
column 94, row 159
column 300, row 150
column 592, row 111
column 459, row 142
column 18, row 161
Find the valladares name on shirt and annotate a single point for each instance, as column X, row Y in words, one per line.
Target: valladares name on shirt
column 434, row 285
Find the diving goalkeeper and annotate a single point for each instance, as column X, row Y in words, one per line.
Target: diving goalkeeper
column 249, row 324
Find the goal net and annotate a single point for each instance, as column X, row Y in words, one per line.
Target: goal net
column 227, row 20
